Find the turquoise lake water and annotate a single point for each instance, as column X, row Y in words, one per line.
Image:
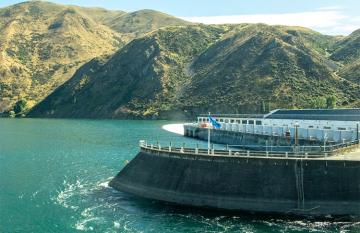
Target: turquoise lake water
column 54, row 175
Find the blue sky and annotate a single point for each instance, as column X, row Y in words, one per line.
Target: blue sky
column 327, row 16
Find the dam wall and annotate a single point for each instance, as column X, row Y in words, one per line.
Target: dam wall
column 273, row 185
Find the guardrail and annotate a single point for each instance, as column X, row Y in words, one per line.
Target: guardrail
column 243, row 153
column 288, row 132
column 328, row 148
column 344, row 145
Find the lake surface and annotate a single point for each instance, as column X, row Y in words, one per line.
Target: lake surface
column 54, row 175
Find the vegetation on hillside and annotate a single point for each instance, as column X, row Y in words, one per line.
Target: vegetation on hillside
column 347, row 50
column 265, row 64
column 43, row 44
column 71, row 61
column 140, row 22
column 185, row 70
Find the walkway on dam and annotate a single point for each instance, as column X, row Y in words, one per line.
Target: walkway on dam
column 349, row 152
column 351, row 155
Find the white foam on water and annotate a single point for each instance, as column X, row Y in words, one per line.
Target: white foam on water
column 63, row 197
column 174, row 128
column 81, row 225
column 35, row 193
column 117, row 225
column 69, row 190
column 87, row 212
column 105, row 184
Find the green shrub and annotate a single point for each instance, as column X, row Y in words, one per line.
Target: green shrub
column 331, row 102
column 20, row 107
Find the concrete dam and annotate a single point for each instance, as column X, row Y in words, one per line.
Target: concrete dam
column 291, row 162
column 308, row 184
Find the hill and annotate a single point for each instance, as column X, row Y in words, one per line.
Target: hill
column 71, row 61
column 347, row 50
column 182, row 71
column 43, row 44
column 137, row 23
column 347, row 53
column 147, row 72
column 276, row 66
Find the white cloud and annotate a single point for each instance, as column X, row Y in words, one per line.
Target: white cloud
column 329, row 20
column 331, row 8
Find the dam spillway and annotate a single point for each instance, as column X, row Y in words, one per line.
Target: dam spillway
column 310, row 184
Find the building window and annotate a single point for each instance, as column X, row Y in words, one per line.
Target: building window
column 238, row 121
column 311, row 126
column 244, row 122
column 221, row 120
column 258, row 122
column 341, row 128
column 232, row 121
column 251, row 122
column 226, row 120
column 327, row 127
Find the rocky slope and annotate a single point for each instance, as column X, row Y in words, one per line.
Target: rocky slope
column 137, row 23
column 142, row 78
column 43, row 44
column 347, row 52
column 71, row 61
column 182, row 71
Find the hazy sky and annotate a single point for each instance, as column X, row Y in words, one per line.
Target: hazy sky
column 327, row 16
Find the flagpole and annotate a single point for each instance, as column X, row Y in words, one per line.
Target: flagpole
column 209, row 134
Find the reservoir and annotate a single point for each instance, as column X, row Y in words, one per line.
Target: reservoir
column 54, row 175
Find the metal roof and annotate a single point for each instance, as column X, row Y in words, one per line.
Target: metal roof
column 234, row 115
column 352, row 114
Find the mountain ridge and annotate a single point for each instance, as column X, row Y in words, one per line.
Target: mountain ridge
column 186, row 70
column 148, row 64
column 44, row 43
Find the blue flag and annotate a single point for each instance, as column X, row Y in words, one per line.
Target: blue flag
column 214, row 123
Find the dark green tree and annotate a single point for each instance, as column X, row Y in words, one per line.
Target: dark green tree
column 263, row 107
column 20, row 106
column 331, row 102
column 318, row 103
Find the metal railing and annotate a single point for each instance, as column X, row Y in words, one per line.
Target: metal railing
column 229, row 151
column 317, row 148
column 293, row 116
column 344, row 145
column 306, row 134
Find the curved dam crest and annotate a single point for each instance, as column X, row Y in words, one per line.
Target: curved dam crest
column 274, row 185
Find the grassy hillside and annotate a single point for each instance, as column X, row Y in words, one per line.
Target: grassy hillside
column 182, row 71
column 275, row 65
column 71, row 61
column 142, row 79
column 99, row 15
column 351, row 71
column 43, row 44
column 137, row 23
column 347, row 53
column 347, row 50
